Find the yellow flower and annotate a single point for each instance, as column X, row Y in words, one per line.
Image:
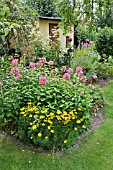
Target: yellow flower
column 34, row 127
column 38, row 103
column 51, row 114
column 75, row 128
column 39, row 134
column 46, row 137
column 31, row 137
column 52, row 131
column 64, row 113
column 79, row 108
column 65, row 141
column 43, row 124
column 25, row 115
column 83, row 126
column 31, row 123
column 42, row 117
column 78, row 121
column 22, row 113
column 23, row 108
column 29, row 103
column 44, row 111
column 50, row 122
column 49, row 127
column 30, row 115
column 59, row 112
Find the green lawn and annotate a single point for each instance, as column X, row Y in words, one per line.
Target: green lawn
column 94, row 153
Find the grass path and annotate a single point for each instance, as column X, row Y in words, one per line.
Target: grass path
column 94, row 153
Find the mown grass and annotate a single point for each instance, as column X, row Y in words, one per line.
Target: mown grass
column 95, row 151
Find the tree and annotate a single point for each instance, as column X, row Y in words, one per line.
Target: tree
column 44, row 7
column 16, row 19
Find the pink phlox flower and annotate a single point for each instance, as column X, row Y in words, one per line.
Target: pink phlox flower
column 66, row 76
column 70, row 83
column 87, row 23
column 39, row 63
column 93, row 88
column 104, row 55
column 20, row 77
column 32, row 65
column 42, row 80
column 16, row 77
column 14, row 62
column 14, row 70
column 83, row 79
column 50, row 62
column 1, row 84
column 43, row 60
column 64, row 68
column 94, row 76
column 34, row 57
column 82, row 92
column 55, row 70
column 70, row 71
column 79, row 70
column 91, row 42
column 53, row 79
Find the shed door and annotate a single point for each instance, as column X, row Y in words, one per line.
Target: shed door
column 51, row 28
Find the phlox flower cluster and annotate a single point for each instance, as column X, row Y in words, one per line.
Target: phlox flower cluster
column 42, row 80
column 14, row 70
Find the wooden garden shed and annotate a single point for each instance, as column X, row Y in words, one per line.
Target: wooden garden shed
column 46, row 24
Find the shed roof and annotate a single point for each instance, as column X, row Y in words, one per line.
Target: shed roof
column 49, row 18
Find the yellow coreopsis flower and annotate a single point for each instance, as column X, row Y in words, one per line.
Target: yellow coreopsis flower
column 75, row 128
column 42, row 117
column 29, row 103
column 51, row 114
column 59, row 112
column 46, row 137
column 30, row 115
column 83, row 126
column 52, row 131
column 65, row 141
column 78, row 121
column 49, row 127
column 31, row 123
column 39, row 134
column 43, row 124
column 79, row 109
column 34, row 127
column 23, row 108
column 22, row 113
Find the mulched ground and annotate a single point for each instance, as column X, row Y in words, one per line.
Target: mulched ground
column 97, row 120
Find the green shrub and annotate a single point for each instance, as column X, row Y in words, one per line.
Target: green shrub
column 45, row 105
column 104, row 42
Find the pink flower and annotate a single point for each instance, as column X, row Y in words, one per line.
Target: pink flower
column 1, row 84
column 42, row 80
column 66, row 76
column 79, row 70
column 91, row 42
column 93, row 88
column 32, row 65
column 20, row 77
column 53, row 79
column 14, row 62
column 16, row 77
column 14, row 70
column 64, row 68
column 87, row 23
column 54, row 70
column 94, row 76
column 39, row 63
column 50, row 62
column 70, row 71
column 43, row 59
column 83, row 79
column 34, row 57
column 70, row 83
column 104, row 55
column 69, row 39
column 82, row 92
